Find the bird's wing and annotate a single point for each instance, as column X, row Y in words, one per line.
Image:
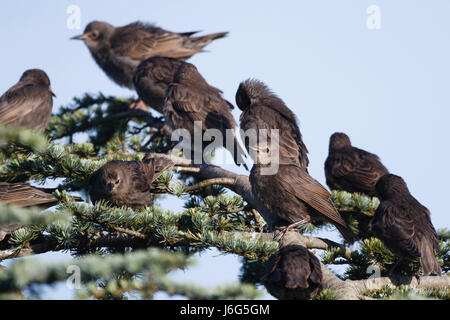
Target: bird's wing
column 193, row 105
column 360, row 168
column 23, row 195
column 18, row 102
column 299, row 183
column 395, row 224
column 139, row 41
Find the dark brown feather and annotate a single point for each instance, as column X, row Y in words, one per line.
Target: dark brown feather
column 28, row 103
column 293, row 273
column 127, row 183
column 404, row 225
column 190, row 98
column 263, row 109
column 152, row 78
column 351, row 169
column 293, row 195
column 119, row 50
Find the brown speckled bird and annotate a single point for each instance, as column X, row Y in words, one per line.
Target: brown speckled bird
column 23, row 195
column 293, row 273
column 263, row 109
column 152, row 78
column 29, row 102
column 190, row 98
column 351, row 169
column 127, row 183
column 404, row 225
column 119, row 50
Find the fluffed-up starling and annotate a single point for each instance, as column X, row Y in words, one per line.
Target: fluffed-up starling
column 404, row 225
column 263, row 109
column 351, row 169
column 127, row 183
column 191, row 99
column 293, row 273
column 29, row 102
column 152, row 78
column 119, row 50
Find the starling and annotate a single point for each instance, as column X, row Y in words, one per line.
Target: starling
column 152, row 78
column 29, row 102
column 293, row 273
column 190, row 98
column 293, row 195
column 404, row 225
column 23, row 195
column 263, row 109
column 127, row 183
column 352, row 169
column 118, row 51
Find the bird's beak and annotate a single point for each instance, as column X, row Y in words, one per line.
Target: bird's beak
column 51, row 91
column 110, row 187
column 80, row 37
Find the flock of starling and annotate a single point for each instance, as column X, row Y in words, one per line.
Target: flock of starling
column 151, row 61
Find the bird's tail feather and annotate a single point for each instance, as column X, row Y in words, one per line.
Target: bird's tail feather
column 347, row 233
column 201, row 42
column 428, row 260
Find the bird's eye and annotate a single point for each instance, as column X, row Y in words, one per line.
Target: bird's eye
column 267, row 150
column 94, row 35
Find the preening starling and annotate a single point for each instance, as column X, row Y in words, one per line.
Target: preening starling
column 152, row 78
column 190, row 98
column 127, row 183
column 23, row 195
column 29, row 102
column 263, row 109
column 404, row 225
column 293, row 273
column 352, row 169
column 118, row 51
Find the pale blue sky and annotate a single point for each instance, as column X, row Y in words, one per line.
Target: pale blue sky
column 386, row 88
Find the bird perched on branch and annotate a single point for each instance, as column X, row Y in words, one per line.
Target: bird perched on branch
column 127, row 183
column 404, row 225
column 191, row 99
column 351, row 169
column 119, row 50
column 279, row 177
column 29, row 102
column 263, row 109
column 24, row 195
column 293, row 273
column 152, row 78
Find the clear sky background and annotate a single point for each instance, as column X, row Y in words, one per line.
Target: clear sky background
column 388, row 88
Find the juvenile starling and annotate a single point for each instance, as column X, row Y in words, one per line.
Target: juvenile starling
column 127, row 183
column 351, row 169
column 29, row 102
column 190, row 98
column 152, row 78
column 294, row 196
column 404, row 225
column 263, row 109
column 293, row 273
column 23, row 195
column 118, row 51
